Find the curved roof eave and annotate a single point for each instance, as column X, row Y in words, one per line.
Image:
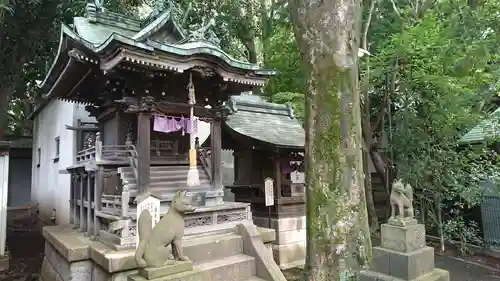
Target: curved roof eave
column 173, row 49
column 206, row 49
column 261, row 140
column 56, row 59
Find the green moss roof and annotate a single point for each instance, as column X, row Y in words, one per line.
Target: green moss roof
column 266, row 122
column 488, row 128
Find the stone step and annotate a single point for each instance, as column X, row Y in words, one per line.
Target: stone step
column 213, row 247
column 165, row 178
column 160, row 173
column 232, row 268
column 255, row 278
column 157, row 168
column 167, row 186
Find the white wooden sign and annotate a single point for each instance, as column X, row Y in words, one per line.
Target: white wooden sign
column 297, row 176
column 152, row 204
column 269, row 191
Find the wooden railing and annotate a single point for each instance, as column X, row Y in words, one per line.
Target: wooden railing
column 132, row 157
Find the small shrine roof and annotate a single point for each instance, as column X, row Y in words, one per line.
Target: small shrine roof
column 263, row 121
column 101, row 36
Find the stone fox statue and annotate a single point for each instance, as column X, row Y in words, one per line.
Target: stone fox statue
column 402, row 198
column 151, row 251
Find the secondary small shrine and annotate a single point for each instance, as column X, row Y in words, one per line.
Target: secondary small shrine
column 268, row 143
column 148, row 82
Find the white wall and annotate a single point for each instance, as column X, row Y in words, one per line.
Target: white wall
column 50, row 187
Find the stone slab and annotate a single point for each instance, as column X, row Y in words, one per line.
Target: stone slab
column 72, row 245
column 402, row 221
column 48, row 272
column 287, row 237
column 405, row 266
column 436, row 275
column 282, row 224
column 176, row 267
column 403, row 239
column 288, row 254
column 76, row 270
column 267, row 235
column 192, row 275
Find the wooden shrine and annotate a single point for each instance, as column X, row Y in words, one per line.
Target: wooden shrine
column 129, row 72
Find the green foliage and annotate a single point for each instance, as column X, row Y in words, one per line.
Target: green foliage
column 444, row 67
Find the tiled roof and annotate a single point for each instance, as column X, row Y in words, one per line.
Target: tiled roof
column 266, row 122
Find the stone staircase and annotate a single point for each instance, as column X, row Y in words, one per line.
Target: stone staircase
column 218, row 257
column 238, row 254
column 164, row 179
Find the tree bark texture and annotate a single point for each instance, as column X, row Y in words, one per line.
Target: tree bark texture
column 327, row 32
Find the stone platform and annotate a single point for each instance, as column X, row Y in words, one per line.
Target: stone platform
column 403, row 255
column 205, row 219
column 238, row 254
column 289, row 248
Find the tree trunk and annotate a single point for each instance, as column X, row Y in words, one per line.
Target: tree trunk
column 328, row 36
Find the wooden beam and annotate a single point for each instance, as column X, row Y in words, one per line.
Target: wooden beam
column 216, row 149
column 143, row 149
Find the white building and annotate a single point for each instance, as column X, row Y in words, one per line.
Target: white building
column 54, row 149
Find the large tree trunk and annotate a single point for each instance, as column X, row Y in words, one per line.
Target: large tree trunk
column 328, row 35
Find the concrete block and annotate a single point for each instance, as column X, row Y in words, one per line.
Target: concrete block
column 289, row 253
column 73, row 246
column 77, row 270
column 293, row 236
column 403, row 239
column 283, row 224
column 411, row 266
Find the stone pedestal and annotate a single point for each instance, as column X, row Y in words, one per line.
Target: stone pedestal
column 289, row 248
column 403, row 255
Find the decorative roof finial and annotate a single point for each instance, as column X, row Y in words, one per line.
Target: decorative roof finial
column 202, row 32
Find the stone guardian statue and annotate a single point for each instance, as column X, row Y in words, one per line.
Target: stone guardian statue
column 402, row 199
column 168, row 231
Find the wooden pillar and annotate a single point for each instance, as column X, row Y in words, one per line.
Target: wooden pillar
column 82, row 219
column 216, row 149
column 97, row 198
column 277, row 171
column 89, row 205
column 74, row 199
column 143, row 149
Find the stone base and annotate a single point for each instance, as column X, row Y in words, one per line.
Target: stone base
column 289, row 250
column 170, row 269
column 435, row 275
column 403, row 238
column 406, row 266
column 192, row 275
column 238, row 253
column 4, row 262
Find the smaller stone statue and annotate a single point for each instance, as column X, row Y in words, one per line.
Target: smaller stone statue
column 402, row 198
column 169, row 230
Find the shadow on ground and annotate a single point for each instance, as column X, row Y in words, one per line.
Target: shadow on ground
column 26, row 246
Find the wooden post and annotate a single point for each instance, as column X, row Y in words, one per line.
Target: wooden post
column 216, row 149
column 89, row 205
column 143, row 143
column 277, row 168
column 82, row 220
column 74, row 199
column 97, row 198
column 98, row 147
